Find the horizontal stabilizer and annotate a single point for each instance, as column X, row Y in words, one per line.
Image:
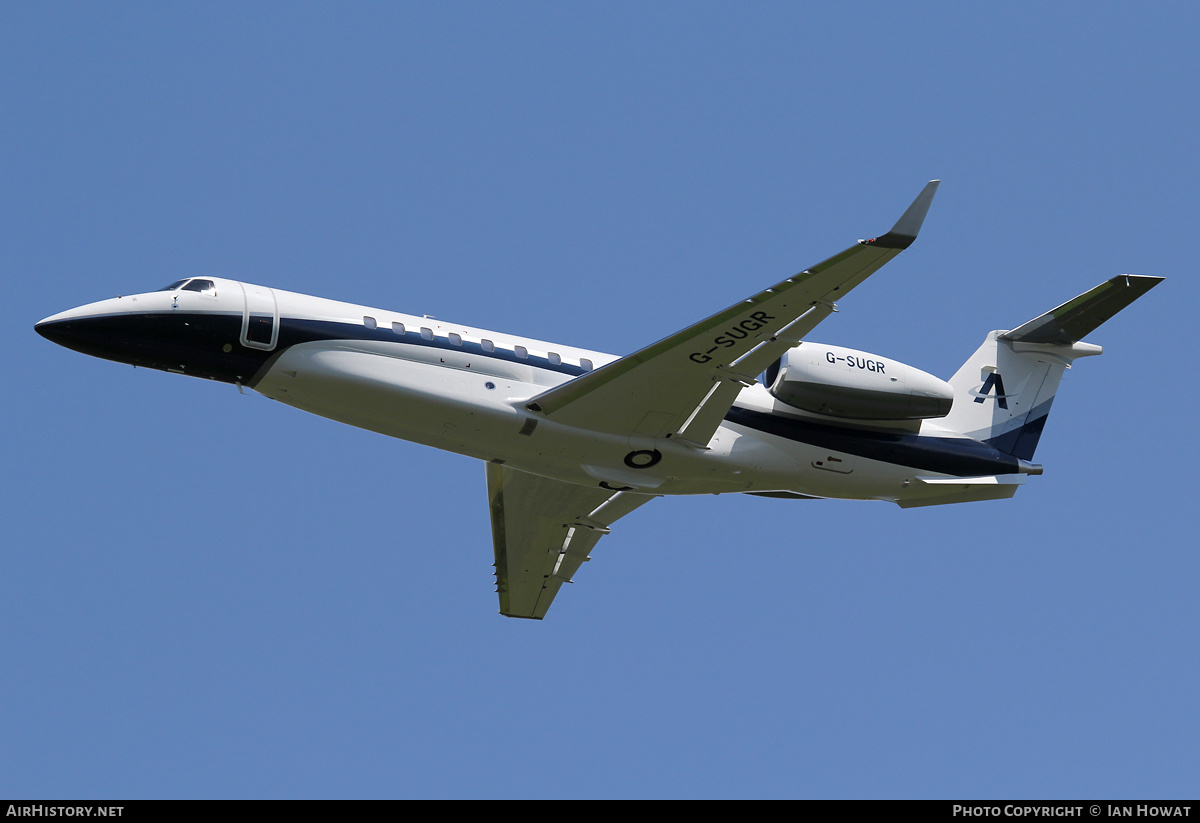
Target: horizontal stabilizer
column 1077, row 318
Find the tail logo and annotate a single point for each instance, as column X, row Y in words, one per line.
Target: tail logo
column 993, row 379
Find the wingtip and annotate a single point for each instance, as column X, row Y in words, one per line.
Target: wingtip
column 908, row 226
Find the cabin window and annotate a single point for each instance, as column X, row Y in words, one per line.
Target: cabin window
column 521, row 352
column 427, row 332
column 585, row 364
column 555, row 359
column 369, row 322
column 398, row 328
column 455, row 339
column 487, row 345
column 203, row 286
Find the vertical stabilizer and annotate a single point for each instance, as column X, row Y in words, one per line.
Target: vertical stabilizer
column 1003, row 393
column 1003, row 396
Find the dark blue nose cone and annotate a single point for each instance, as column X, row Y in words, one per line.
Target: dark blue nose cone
column 199, row 344
column 120, row 337
column 74, row 334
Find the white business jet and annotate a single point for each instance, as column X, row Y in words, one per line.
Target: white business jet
column 574, row 440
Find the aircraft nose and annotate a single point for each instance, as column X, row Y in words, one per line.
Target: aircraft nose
column 78, row 333
column 85, row 328
column 56, row 331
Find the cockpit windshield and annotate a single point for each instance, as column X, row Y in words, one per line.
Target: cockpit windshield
column 198, row 284
column 202, row 286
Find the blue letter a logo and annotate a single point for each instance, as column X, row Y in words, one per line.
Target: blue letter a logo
column 993, row 379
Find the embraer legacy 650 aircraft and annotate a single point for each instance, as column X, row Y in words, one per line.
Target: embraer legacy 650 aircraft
column 575, row 439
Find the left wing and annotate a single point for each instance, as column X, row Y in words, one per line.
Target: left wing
column 682, row 386
column 542, row 530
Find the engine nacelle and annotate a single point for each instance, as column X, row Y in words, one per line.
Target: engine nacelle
column 845, row 383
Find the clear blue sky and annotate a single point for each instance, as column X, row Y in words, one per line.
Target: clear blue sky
column 212, row 595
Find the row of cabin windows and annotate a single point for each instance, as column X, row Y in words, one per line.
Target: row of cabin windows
column 486, row 345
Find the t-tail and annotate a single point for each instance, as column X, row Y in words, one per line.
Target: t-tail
column 1003, row 393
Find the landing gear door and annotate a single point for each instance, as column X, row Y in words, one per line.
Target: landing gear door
column 260, row 318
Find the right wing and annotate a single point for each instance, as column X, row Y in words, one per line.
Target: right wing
column 682, row 386
column 542, row 530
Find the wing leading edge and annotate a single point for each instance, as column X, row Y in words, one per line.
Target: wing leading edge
column 682, row 386
column 542, row 531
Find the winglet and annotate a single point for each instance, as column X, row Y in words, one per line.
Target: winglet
column 905, row 231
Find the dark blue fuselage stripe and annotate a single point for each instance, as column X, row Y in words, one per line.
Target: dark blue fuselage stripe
column 195, row 343
column 945, row 455
column 295, row 330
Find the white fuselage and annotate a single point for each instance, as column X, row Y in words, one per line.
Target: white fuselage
column 472, row 404
column 465, row 390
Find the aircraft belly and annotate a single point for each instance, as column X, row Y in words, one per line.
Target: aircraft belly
column 431, row 404
column 454, row 409
column 822, row 472
column 817, row 471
